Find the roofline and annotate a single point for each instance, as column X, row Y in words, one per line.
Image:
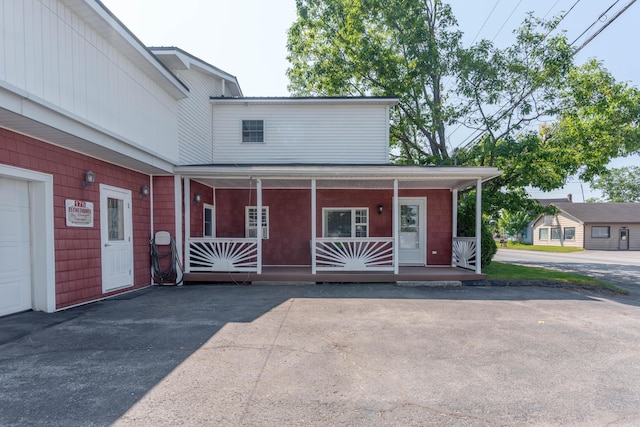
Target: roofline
column 137, row 44
column 159, row 50
column 371, row 100
column 347, row 171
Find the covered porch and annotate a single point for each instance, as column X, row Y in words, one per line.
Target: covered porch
column 332, row 223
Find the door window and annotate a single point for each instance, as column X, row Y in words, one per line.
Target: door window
column 115, row 221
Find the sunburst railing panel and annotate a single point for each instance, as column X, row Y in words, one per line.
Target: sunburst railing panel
column 464, row 252
column 354, row 254
column 223, row 255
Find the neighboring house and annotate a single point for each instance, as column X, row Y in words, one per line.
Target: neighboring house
column 527, row 233
column 601, row 226
column 104, row 142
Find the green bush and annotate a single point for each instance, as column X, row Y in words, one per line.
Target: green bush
column 467, row 228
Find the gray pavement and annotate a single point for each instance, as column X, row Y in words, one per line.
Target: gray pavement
column 326, row 355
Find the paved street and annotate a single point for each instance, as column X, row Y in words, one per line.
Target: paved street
column 620, row 268
column 324, row 355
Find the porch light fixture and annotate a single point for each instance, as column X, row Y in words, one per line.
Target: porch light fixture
column 144, row 191
column 197, row 198
column 380, row 209
column 89, row 178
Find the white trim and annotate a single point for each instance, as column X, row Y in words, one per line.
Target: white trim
column 422, row 228
column 479, row 226
column 187, row 219
column 43, row 278
column 259, row 223
column 454, row 221
column 177, row 206
column 265, row 219
column 314, row 224
column 353, row 220
column 396, row 228
column 212, row 208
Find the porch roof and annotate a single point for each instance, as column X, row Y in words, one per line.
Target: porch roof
column 338, row 176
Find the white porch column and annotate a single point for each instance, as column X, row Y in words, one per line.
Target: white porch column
column 395, row 218
column 187, row 224
column 313, row 226
column 179, row 199
column 478, row 225
column 259, row 222
column 454, row 221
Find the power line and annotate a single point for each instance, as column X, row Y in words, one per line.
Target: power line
column 601, row 29
column 507, row 20
column 595, row 22
column 486, row 20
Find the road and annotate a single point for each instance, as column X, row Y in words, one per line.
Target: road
column 620, row 268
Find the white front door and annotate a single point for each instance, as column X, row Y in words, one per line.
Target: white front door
column 116, row 238
column 413, row 231
column 15, row 247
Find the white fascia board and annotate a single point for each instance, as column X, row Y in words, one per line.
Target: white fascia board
column 306, row 100
column 25, row 105
column 137, row 51
column 342, row 172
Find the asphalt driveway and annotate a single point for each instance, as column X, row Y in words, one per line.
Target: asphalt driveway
column 325, row 355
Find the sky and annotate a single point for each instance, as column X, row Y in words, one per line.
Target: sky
column 247, row 38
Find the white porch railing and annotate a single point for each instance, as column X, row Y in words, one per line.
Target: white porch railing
column 354, row 254
column 464, row 252
column 207, row 254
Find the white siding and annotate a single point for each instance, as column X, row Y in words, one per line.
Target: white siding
column 562, row 221
column 303, row 133
column 49, row 52
column 194, row 126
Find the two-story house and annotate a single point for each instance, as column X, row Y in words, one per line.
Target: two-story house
column 104, row 142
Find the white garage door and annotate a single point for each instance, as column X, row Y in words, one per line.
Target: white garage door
column 15, row 254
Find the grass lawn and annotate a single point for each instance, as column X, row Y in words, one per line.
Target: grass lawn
column 520, row 246
column 502, row 271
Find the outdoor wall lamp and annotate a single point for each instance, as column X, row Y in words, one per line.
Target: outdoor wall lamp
column 89, row 178
column 197, row 198
column 144, row 191
column 380, row 209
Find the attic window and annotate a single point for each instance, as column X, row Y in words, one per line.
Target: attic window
column 253, row 131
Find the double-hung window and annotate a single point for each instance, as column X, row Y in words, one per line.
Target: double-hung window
column 569, row 233
column 208, row 221
column 345, row 222
column 251, row 222
column 543, row 234
column 555, row 233
column 253, row 131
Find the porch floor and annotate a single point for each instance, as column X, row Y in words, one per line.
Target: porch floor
column 303, row 274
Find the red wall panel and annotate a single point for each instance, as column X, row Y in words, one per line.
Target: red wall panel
column 77, row 250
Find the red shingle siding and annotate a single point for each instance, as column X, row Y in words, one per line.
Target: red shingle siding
column 77, row 250
column 164, row 214
column 290, row 219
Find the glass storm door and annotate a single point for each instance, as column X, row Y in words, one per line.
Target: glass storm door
column 623, row 243
column 116, row 241
column 413, row 231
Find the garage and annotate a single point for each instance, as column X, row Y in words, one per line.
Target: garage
column 15, row 247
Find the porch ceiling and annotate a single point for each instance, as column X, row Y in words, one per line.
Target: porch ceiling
column 338, row 176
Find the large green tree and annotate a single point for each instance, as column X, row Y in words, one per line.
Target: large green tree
column 527, row 109
column 619, row 184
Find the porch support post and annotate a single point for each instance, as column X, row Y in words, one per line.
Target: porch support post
column 179, row 199
column 259, row 223
column 396, row 232
column 454, row 221
column 478, row 225
column 313, row 226
column 187, row 224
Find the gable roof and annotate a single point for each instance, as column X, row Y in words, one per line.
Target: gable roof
column 176, row 58
column 602, row 212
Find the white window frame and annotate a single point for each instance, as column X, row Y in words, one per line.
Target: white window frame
column 242, row 136
column 250, row 229
column 564, row 233
column 205, row 207
column 354, row 224
column 546, row 230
